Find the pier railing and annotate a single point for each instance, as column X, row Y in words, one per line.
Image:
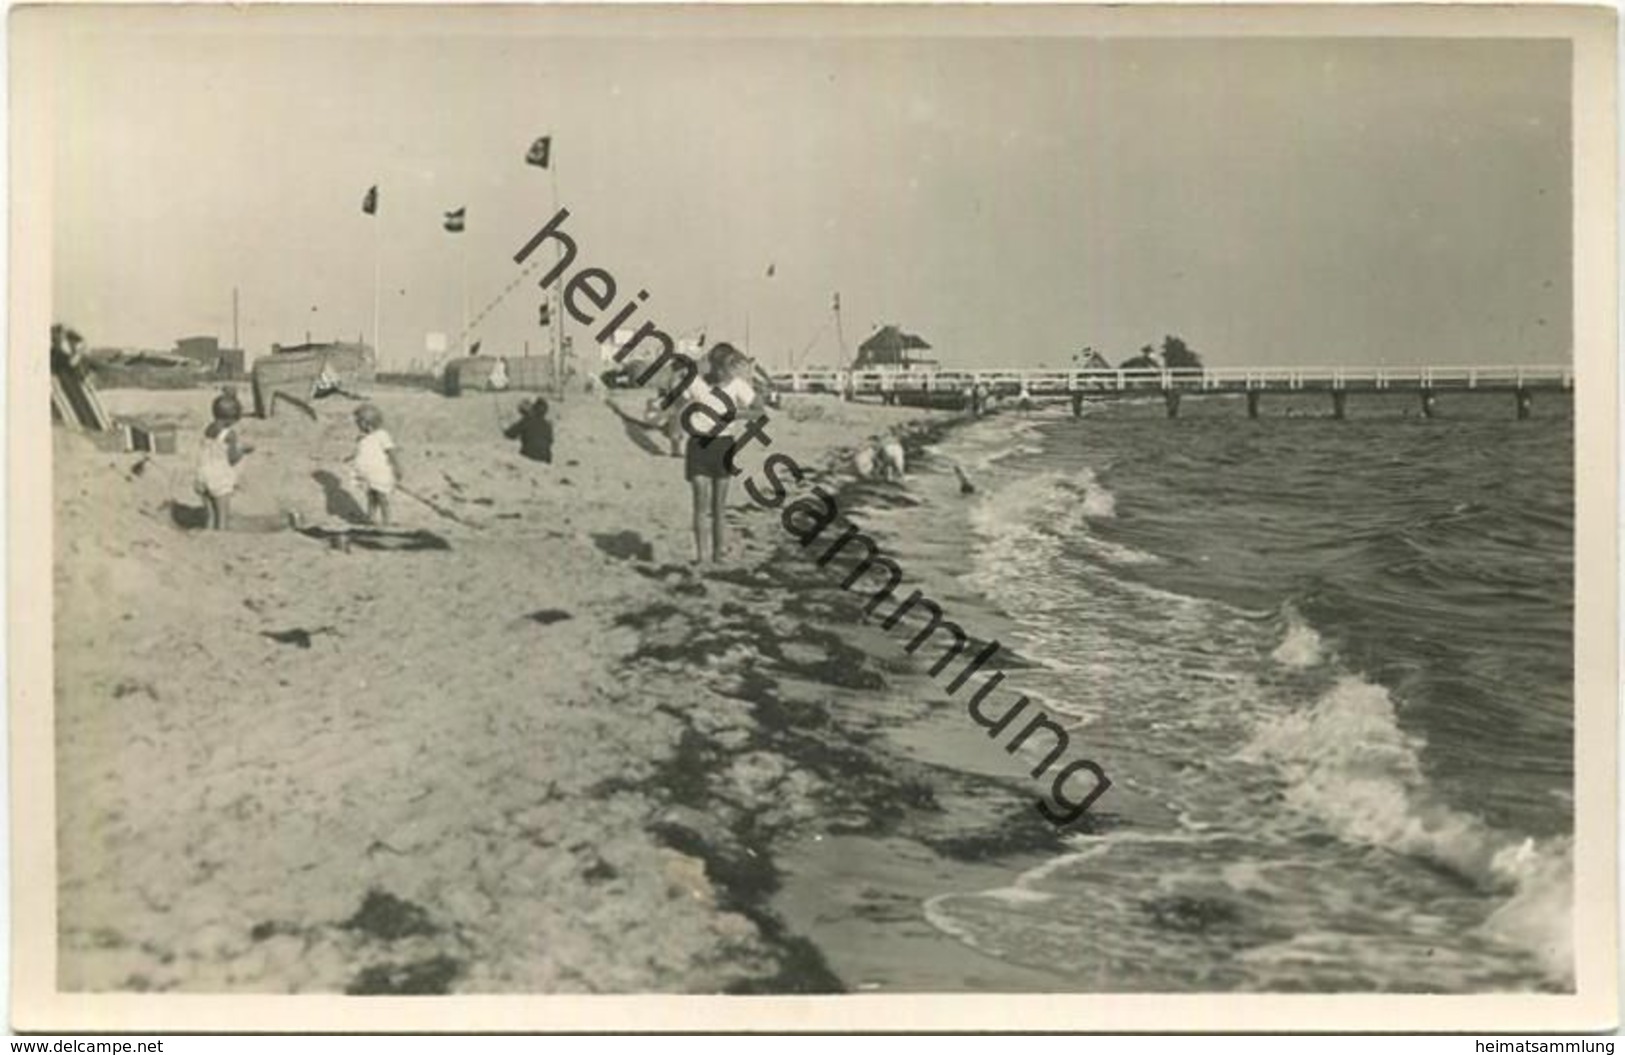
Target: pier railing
column 1217, row 379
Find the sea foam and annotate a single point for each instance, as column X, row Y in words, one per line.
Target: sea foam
column 1349, row 764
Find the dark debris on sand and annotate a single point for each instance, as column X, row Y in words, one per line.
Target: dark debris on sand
column 298, row 636
column 846, row 782
column 379, row 539
column 624, row 545
column 385, row 916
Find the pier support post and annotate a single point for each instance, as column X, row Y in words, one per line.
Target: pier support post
column 1526, row 403
column 1170, row 396
column 1253, row 396
column 1340, row 402
column 1430, row 403
column 1077, row 404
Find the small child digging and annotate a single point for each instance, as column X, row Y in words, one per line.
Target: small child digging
column 533, row 431
column 375, row 464
column 217, row 460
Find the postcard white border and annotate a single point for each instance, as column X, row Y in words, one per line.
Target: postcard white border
column 38, row 1006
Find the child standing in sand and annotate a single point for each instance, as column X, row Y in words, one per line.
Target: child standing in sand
column 725, row 394
column 217, row 460
column 375, row 463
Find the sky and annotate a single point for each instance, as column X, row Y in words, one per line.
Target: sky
column 1279, row 201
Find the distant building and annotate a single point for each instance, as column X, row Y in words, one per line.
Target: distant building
column 202, row 349
column 224, row 362
column 892, row 349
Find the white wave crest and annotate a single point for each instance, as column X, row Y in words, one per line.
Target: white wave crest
column 1098, row 503
column 1301, row 648
column 1348, row 763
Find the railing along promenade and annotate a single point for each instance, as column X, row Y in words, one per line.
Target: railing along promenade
column 913, row 386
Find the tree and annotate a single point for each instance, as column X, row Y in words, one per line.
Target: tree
column 1177, row 355
column 1146, row 360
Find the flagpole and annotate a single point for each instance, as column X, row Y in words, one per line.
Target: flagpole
column 377, row 282
column 463, row 254
column 840, row 338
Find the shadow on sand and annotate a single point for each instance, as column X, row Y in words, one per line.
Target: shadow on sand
column 340, row 503
column 189, row 518
column 652, row 438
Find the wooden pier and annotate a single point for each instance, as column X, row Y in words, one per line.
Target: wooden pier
column 954, row 387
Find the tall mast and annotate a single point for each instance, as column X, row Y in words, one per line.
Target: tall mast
column 840, row 340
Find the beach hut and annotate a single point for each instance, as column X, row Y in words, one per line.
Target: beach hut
column 470, row 374
column 530, row 373
column 491, row 373
column 301, row 371
column 890, row 348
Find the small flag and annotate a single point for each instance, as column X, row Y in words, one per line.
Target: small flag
column 474, row 349
column 454, row 220
column 540, row 151
column 544, row 317
column 369, row 204
column 837, row 304
column 770, row 269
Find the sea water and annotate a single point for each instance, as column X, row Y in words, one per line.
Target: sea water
column 1327, row 664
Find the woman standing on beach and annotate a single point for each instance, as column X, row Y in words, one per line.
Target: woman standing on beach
column 722, row 396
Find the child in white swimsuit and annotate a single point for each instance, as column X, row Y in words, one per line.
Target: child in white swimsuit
column 218, row 455
column 376, row 467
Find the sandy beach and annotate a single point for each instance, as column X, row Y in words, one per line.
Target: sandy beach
column 538, row 759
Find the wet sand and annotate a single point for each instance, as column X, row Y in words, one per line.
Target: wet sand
column 549, row 757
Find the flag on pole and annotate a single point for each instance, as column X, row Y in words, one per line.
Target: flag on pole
column 545, row 316
column 474, row 349
column 369, row 204
column 540, row 152
column 770, row 269
column 454, row 220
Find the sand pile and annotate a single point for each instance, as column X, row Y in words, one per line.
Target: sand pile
column 283, row 766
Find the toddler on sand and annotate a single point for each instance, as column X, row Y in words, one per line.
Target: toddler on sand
column 375, row 464
column 217, row 460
